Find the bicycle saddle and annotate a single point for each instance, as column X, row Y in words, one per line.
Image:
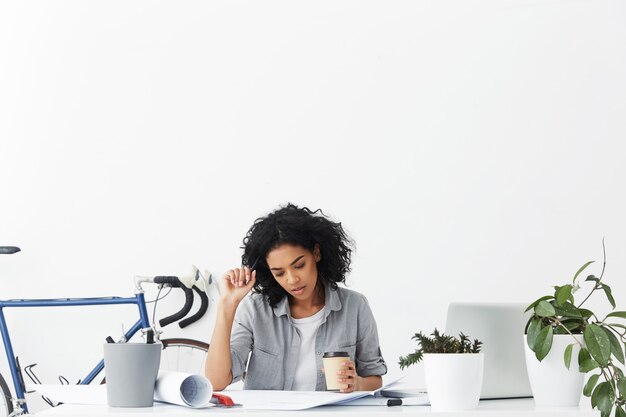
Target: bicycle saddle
column 7, row 250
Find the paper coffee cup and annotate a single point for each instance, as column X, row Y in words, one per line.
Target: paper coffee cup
column 333, row 362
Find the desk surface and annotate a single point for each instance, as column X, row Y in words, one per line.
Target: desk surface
column 490, row 408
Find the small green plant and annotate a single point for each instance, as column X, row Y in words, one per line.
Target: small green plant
column 604, row 339
column 439, row 343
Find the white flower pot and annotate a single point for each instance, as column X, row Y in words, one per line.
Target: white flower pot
column 554, row 385
column 453, row 380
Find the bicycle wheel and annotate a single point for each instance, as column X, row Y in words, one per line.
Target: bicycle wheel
column 183, row 355
column 6, row 403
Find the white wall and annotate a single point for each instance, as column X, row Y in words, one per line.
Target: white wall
column 473, row 149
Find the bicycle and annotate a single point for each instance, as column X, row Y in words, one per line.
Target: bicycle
column 187, row 349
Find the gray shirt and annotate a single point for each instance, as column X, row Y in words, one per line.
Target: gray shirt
column 269, row 334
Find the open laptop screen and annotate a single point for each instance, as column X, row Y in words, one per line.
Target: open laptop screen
column 500, row 326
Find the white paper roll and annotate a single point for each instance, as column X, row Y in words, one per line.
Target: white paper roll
column 182, row 388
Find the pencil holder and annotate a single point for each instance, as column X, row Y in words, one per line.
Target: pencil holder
column 131, row 370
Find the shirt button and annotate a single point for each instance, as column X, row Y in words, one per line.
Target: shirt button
column 318, row 352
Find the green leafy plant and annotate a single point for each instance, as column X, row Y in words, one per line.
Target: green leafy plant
column 604, row 339
column 439, row 343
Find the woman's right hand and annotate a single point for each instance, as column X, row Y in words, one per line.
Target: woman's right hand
column 236, row 284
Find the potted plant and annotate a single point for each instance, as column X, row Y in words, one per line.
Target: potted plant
column 560, row 329
column 453, row 369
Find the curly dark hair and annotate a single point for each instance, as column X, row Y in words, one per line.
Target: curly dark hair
column 297, row 226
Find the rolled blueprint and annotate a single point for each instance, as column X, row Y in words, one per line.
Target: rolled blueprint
column 182, row 388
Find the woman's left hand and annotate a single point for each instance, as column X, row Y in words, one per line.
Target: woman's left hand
column 348, row 376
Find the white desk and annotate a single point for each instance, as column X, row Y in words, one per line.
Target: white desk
column 492, row 408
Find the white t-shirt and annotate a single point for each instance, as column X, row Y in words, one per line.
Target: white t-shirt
column 305, row 377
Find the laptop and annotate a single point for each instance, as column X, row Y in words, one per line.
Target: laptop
column 500, row 327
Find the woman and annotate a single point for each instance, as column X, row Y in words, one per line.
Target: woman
column 293, row 260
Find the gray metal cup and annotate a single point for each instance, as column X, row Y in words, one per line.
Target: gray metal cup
column 131, row 370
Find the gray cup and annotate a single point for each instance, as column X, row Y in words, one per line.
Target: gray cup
column 131, row 370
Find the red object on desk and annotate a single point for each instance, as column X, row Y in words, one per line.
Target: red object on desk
column 222, row 400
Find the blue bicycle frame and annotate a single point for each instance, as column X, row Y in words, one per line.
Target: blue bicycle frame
column 142, row 323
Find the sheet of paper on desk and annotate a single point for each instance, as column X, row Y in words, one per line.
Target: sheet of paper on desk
column 294, row 400
column 73, row 394
column 171, row 387
column 283, row 400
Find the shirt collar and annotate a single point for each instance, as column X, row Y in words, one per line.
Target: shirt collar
column 333, row 303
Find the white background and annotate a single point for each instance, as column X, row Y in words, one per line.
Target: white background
column 473, row 149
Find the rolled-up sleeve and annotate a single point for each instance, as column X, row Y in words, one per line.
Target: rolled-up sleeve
column 241, row 339
column 369, row 359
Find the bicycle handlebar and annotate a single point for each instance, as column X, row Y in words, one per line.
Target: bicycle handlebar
column 175, row 282
column 170, row 280
column 203, row 308
column 183, row 311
